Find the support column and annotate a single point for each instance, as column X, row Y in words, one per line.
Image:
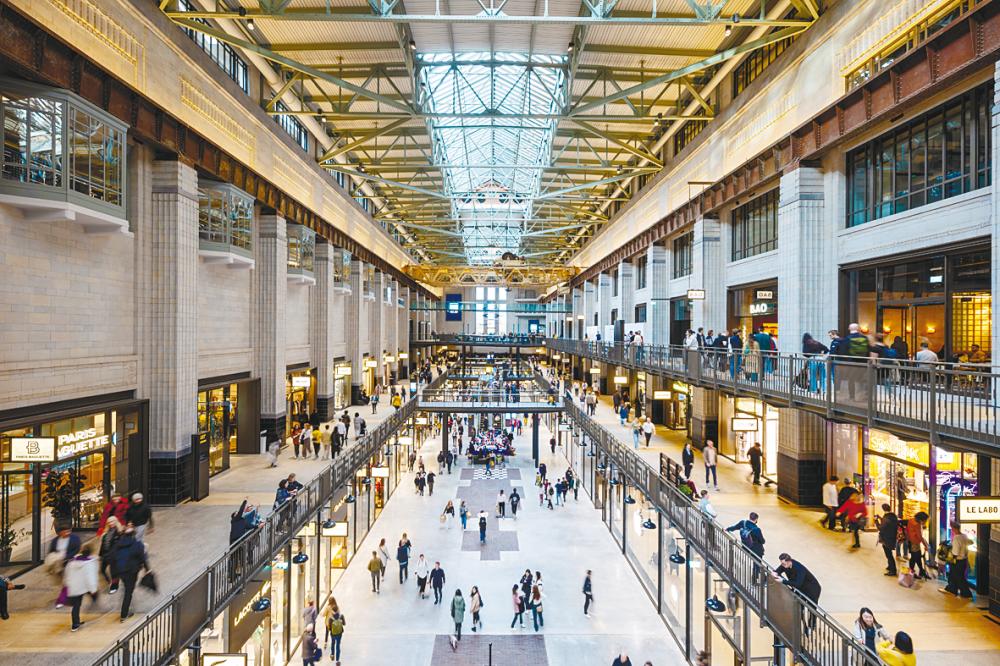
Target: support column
column 270, row 282
column 590, row 305
column 535, row 427
column 168, row 303
column 580, row 306
column 704, row 416
column 354, row 329
column 604, row 302
column 801, row 456
column 444, row 432
column 805, row 260
column 994, row 531
column 707, row 273
column 321, row 322
column 626, row 293
column 658, row 315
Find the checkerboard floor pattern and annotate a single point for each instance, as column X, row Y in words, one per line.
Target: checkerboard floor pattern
column 479, row 474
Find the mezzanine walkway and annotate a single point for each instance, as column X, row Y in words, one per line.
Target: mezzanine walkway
column 185, row 539
column 399, row 628
column 945, row 629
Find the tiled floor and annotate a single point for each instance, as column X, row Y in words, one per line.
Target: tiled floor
column 399, row 628
column 36, row 631
column 942, row 626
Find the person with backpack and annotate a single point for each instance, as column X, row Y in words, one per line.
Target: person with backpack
column 515, row 501
column 888, row 537
column 403, row 557
column 335, row 627
column 751, row 535
column 458, row 613
column 482, row 526
column 857, row 348
column 375, row 568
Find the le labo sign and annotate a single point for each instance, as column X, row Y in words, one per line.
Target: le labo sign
column 978, row 510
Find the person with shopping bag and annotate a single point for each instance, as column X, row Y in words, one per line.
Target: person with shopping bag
column 80, row 579
column 129, row 560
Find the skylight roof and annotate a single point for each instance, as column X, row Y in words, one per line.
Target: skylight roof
column 493, row 117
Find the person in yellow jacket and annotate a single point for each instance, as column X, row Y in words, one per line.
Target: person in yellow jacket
column 396, row 400
column 898, row 652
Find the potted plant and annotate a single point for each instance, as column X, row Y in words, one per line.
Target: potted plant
column 9, row 537
column 61, row 494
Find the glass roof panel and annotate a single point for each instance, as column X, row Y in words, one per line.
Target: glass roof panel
column 492, row 119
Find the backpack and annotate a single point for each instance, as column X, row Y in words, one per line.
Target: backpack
column 336, row 626
column 746, row 536
column 482, row 523
column 857, row 345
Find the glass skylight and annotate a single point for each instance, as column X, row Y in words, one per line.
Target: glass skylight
column 492, row 119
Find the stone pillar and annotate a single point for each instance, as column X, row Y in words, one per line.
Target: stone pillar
column 658, row 281
column 270, row 283
column 994, row 532
column 801, row 456
column 376, row 340
column 354, row 329
column 807, row 272
column 704, row 416
column 167, row 240
column 707, row 273
column 604, row 301
column 626, row 293
column 579, row 307
column 322, row 313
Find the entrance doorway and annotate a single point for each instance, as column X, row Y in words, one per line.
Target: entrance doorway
column 915, row 324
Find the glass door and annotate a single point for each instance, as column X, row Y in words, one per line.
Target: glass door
column 893, row 321
column 17, row 499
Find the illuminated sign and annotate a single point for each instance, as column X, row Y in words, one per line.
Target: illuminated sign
column 696, row 294
column 743, row 424
column 371, row 364
column 301, row 381
column 765, row 295
column 81, row 441
column 32, row 449
column 662, row 395
column 338, row 530
column 389, row 358
column 595, row 371
column 405, row 440
column 566, row 427
column 681, row 388
column 978, row 510
column 343, row 371
column 247, row 607
column 403, row 356
column 380, row 472
column 761, row 308
column 912, row 452
column 620, row 379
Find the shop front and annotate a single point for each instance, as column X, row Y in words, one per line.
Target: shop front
column 744, row 422
column 228, row 419
column 369, row 376
column 753, row 307
column 941, row 297
column 671, row 404
column 300, row 395
column 60, row 467
column 680, row 319
column 341, row 384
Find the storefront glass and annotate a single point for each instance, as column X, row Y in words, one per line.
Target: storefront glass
column 673, row 592
column 300, row 394
column 896, row 473
column 217, row 423
column 279, row 605
column 642, row 543
column 754, row 307
column 615, row 506
column 342, row 385
column 744, row 422
column 944, row 300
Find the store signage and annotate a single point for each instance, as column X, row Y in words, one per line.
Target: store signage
column 696, row 294
column 380, row 472
column 389, row 358
column 81, row 441
column 32, row 449
column 640, row 376
column 343, row 371
column 662, row 395
column 219, row 659
column 595, row 371
column 757, row 309
column 619, row 379
column 339, row 529
column 978, row 510
column 765, row 295
column 743, row 424
column 403, row 356
column 911, row 452
column 301, row 381
column 242, row 618
column 680, row 388
column 371, row 365
column 405, row 440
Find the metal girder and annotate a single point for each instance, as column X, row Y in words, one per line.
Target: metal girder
column 373, row 115
column 489, row 275
column 323, row 14
column 361, row 140
column 638, row 152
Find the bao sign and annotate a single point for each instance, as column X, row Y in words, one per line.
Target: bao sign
column 978, row 510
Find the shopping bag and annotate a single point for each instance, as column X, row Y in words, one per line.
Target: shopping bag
column 906, row 578
column 149, row 582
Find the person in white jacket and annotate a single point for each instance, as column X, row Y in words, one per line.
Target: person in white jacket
column 422, row 571
column 80, row 578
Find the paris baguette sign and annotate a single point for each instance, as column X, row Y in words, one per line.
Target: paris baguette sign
column 978, row 510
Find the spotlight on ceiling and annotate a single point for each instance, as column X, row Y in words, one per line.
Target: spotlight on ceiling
column 572, row 45
column 729, row 30
column 251, row 26
column 413, row 45
column 715, row 605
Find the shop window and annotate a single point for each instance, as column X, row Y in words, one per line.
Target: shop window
column 941, row 154
column 641, row 268
column 59, row 147
column 225, row 219
column 295, row 129
column 640, row 313
column 755, row 226
column 342, row 268
column 687, row 133
column 755, row 63
column 301, row 254
column 683, row 255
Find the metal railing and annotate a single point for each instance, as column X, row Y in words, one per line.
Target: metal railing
column 468, row 339
column 952, row 400
column 826, row 642
column 489, row 399
column 175, row 623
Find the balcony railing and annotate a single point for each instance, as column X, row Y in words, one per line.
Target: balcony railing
column 489, row 399
column 467, row 339
column 953, row 400
column 783, row 610
column 168, row 629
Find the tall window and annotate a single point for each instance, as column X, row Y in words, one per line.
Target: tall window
column 755, row 63
column 938, row 155
column 640, row 313
column 223, row 54
column 687, row 133
column 295, row 129
column 614, row 283
column 641, row 265
column 683, row 253
column 491, row 310
column 755, row 226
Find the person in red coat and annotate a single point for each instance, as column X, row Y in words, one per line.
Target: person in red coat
column 855, row 512
column 116, row 506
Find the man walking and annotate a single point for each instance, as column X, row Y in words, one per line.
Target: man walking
column 647, row 430
column 437, row 582
column 501, row 505
column 957, row 582
column 375, row 569
column 888, row 535
column 830, row 503
column 711, row 458
column 756, row 456
column 482, row 526
column 751, row 535
column 129, row 559
column 515, row 500
column 588, row 594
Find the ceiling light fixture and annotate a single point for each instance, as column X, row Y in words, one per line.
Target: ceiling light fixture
column 413, row 45
column 250, row 25
column 729, row 30
column 571, row 46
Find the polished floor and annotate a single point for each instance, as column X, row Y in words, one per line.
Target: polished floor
column 398, row 627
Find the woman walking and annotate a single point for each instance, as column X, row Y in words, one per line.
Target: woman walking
column 448, row 516
column 867, row 630
column 383, row 556
column 476, row 603
column 458, row 612
column 335, row 625
column 112, row 530
column 422, row 571
column 517, row 601
column 80, row 578
column 463, row 514
column 536, row 608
